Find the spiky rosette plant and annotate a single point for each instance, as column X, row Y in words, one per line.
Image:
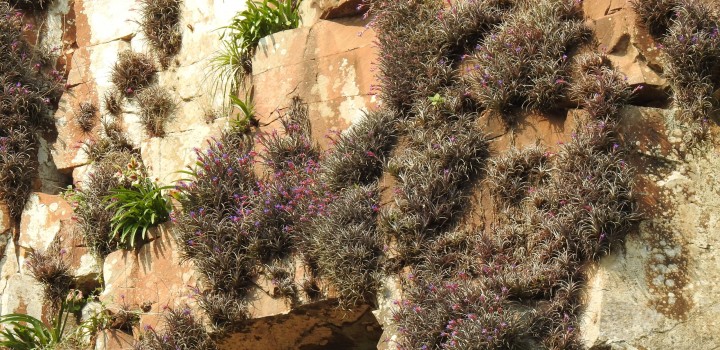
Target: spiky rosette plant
column 29, row 91
column 524, row 63
column 160, row 22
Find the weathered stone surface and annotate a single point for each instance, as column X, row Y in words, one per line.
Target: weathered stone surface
column 388, row 294
column 660, row 291
column 630, row 47
column 328, row 66
column 312, row 11
column 120, row 270
column 49, row 217
column 152, row 275
column 5, row 219
column 317, row 326
column 44, row 218
column 22, row 294
column 167, row 155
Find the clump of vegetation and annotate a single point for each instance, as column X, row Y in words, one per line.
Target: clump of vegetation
column 25, row 332
column 156, row 109
column 86, row 116
column 182, row 330
column 30, row 4
column 346, row 246
column 138, row 207
column 112, row 102
column 93, row 216
column 692, row 60
column 444, row 154
column 29, row 91
column 242, row 36
column 523, row 64
column 235, row 224
column 688, row 31
column 52, row 271
column 514, row 283
column 358, row 154
column 132, row 72
column 160, row 22
column 419, row 57
column 512, row 176
column 246, row 117
column 656, row 15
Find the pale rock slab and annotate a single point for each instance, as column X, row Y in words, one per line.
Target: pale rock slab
column 22, row 294
column 5, row 219
column 660, row 291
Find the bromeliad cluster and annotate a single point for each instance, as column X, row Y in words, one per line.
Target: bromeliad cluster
column 514, row 283
column 690, row 39
column 523, row 63
column 235, row 223
column 418, row 58
column 29, row 91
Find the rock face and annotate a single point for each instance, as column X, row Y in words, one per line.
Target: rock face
column 660, row 291
column 318, row 326
column 152, row 278
column 314, row 10
column 629, row 46
column 328, row 65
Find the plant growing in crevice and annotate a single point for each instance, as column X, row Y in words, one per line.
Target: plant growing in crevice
column 283, row 281
column 91, row 212
column 181, row 330
column 246, row 117
column 86, row 116
column 524, row 63
column 358, row 154
column 112, row 102
column 138, row 207
column 156, row 109
column 346, row 246
column 29, row 91
column 242, row 35
column 160, row 22
column 132, row 72
column 52, row 271
column 656, row 15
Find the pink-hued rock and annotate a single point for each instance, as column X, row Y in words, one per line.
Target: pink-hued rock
column 327, row 65
column 49, row 217
column 152, row 275
column 629, row 46
column 45, row 217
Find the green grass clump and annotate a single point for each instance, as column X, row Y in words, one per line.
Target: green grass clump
column 242, row 36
